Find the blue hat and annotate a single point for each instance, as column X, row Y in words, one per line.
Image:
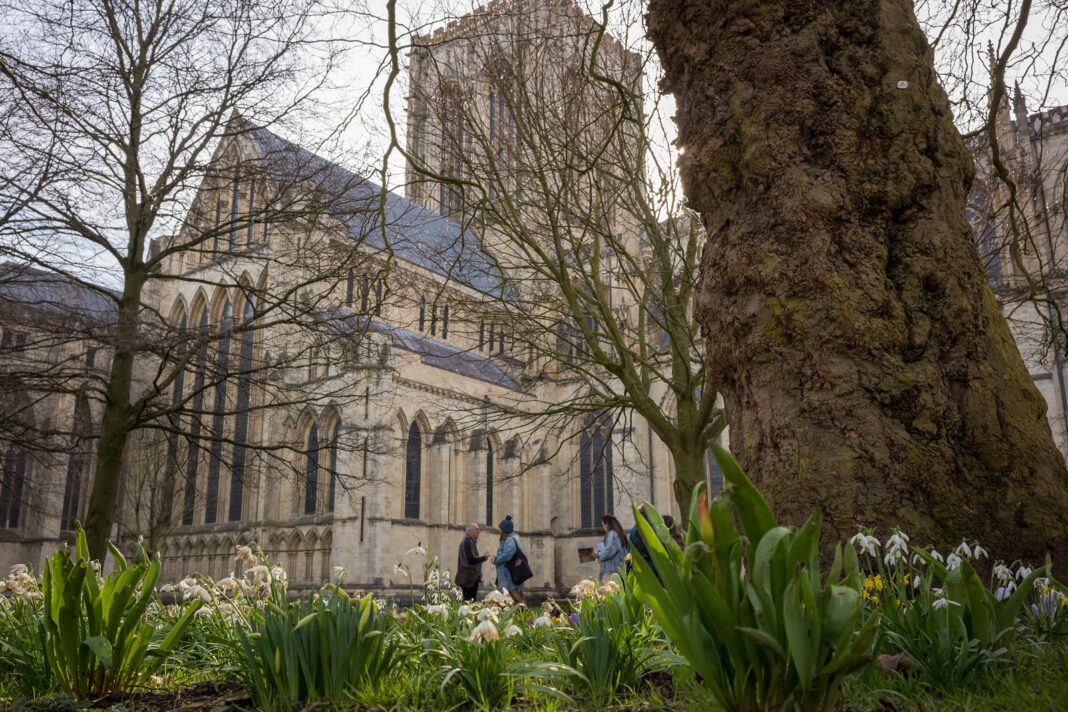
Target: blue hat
column 506, row 525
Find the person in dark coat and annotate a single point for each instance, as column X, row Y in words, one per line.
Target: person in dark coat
column 469, row 563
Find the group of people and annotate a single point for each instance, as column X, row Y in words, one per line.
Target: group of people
column 513, row 568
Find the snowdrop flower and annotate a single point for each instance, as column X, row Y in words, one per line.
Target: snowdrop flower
column 167, row 588
column 487, row 614
column 1002, row 573
column 244, row 554
column 187, row 583
column 278, row 573
column 418, row 550
column 438, row 610
column 936, row 556
column 512, row 630
column 964, row 550
column 464, row 611
column 203, row 612
column 953, row 562
column 898, row 539
column 339, row 573
column 978, row 551
column 485, row 631
column 18, row 569
column 542, row 622
column 1023, row 572
column 867, row 544
column 1003, row 593
column 940, row 603
column 499, row 598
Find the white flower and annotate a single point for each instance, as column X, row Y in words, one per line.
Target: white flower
column 964, row 550
column 244, row 553
column 418, row 550
column 18, row 569
column 583, row 589
column 542, row 622
column 936, row 556
column 953, row 562
column 257, row 573
column 512, row 630
column 401, row 571
column 498, row 598
column 187, row 583
column 1023, row 572
column 487, row 614
column 227, row 584
column 1002, row 572
column 278, row 573
column 978, row 551
column 867, row 544
column 485, row 630
column 339, row 573
column 464, row 611
column 1003, row 592
column 197, row 591
column 438, row 610
column 940, row 603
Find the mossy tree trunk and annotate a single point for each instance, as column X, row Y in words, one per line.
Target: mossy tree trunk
column 865, row 365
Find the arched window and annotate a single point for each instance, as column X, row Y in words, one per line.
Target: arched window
column 311, row 470
column 332, row 494
column 77, row 465
column 489, row 481
column 177, row 397
column 413, row 472
column 218, row 418
column 251, row 204
column 595, row 471
column 244, row 397
column 11, row 486
column 192, row 468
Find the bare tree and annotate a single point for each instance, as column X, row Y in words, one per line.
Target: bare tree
column 124, row 121
column 535, row 134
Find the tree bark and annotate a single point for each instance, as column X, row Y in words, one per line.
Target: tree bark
column 865, row 365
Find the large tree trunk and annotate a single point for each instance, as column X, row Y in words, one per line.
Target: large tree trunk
column 864, row 363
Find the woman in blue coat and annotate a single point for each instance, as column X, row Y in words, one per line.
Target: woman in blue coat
column 509, row 546
column 612, row 550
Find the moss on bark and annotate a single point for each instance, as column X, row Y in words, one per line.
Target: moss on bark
column 865, row 365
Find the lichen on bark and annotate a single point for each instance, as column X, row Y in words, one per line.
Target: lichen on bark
column 865, row 365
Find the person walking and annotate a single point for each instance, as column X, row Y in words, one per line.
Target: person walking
column 508, row 551
column 611, row 551
column 469, row 563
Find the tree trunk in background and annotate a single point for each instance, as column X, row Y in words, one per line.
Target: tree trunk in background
column 865, row 365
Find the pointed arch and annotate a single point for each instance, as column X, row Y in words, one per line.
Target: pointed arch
column 595, row 470
column 414, row 444
column 224, row 321
column 331, row 432
column 77, row 463
column 15, row 463
column 246, row 344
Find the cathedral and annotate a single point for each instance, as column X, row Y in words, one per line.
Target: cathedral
column 412, row 410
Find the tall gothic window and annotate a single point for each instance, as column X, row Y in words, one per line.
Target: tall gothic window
column 192, row 468
column 422, row 314
column 445, row 323
column 413, row 472
column 77, row 465
column 235, row 207
column 334, row 437
column 218, row 418
column 244, row 398
column 311, row 470
column 177, row 396
column 350, row 287
column 489, row 481
column 11, row 487
column 251, row 203
column 595, row 471
column 452, row 148
column 501, row 132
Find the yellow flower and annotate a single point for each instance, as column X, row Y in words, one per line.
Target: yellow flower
column 1064, row 601
column 865, row 595
column 875, row 600
column 905, row 580
column 869, row 583
column 878, row 582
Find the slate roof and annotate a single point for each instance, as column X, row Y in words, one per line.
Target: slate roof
column 415, row 234
column 55, row 294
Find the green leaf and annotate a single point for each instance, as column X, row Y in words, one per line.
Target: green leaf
column 797, row 633
column 753, row 511
column 101, row 648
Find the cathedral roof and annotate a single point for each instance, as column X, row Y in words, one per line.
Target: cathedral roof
column 55, row 295
column 414, row 233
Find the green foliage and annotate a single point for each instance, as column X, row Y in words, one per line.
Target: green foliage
column 950, row 624
column 96, row 635
column 322, row 649
column 487, row 673
column 778, row 637
column 616, row 646
column 23, row 670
